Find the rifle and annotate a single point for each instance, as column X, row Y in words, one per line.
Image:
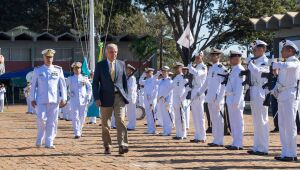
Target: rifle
column 247, row 81
column 143, row 64
column 226, row 77
column 269, row 85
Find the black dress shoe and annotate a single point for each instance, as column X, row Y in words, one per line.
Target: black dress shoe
column 123, row 149
column 229, row 147
column 77, row 137
column 113, row 127
column 298, row 145
column 158, row 126
column 209, row 130
column 274, row 130
column 107, row 150
column 286, row 159
column 177, row 138
column 195, row 141
column 214, row 145
column 251, row 152
column 130, row 129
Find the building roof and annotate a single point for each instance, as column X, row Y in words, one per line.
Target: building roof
column 24, row 33
column 276, row 21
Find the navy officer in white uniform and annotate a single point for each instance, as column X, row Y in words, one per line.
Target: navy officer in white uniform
column 47, row 93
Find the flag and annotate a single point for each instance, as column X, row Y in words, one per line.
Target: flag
column 100, row 51
column 85, row 68
column 186, row 40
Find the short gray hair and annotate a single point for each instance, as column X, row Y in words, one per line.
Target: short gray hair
column 111, row 45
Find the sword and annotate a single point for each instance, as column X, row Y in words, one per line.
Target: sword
column 181, row 118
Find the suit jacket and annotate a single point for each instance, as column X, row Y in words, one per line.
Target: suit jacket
column 104, row 87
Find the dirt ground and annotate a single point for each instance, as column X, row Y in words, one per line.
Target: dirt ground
column 17, row 149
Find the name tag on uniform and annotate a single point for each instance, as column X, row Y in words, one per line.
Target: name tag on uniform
column 54, row 74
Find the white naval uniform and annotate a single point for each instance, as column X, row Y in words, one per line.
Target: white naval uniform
column 259, row 111
column 287, row 104
column 199, row 75
column 179, row 96
column 164, row 104
column 215, row 100
column 235, row 104
column 80, row 92
column 187, row 111
column 2, row 92
column 48, row 86
column 131, row 106
column 149, row 97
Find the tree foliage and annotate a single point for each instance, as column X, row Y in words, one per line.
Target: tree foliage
column 215, row 22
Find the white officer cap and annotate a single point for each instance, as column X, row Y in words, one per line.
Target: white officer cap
column 215, row 51
column 131, row 67
column 171, row 73
column 258, row 43
column 76, row 64
column 48, row 52
column 178, row 64
column 165, row 68
column 185, row 68
column 235, row 54
column 291, row 44
column 149, row 69
column 200, row 53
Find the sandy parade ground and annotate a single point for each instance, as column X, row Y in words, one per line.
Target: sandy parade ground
column 17, row 149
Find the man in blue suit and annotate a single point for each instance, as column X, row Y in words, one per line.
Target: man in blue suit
column 110, row 94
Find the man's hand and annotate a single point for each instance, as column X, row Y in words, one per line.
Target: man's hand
column 98, row 103
column 275, row 71
column 62, row 103
column 33, row 104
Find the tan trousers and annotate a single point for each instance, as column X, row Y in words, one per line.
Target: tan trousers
column 119, row 112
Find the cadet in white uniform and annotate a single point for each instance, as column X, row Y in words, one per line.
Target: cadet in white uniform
column 256, row 66
column 187, row 100
column 179, row 95
column 48, row 91
column 215, row 97
column 80, row 92
column 235, row 101
column 287, row 92
column 164, row 101
column 199, row 71
column 149, row 96
column 132, row 95
column 2, row 97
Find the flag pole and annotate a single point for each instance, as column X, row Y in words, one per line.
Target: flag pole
column 91, row 36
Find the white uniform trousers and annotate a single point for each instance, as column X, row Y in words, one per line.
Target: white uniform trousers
column 287, row 111
column 236, row 120
column 217, row 122
column 180, row 120
column 66, row 112
column 47, row 118
column 1, row 105
column 113, row 121
column 78, row 118
column 165, row 111
column 150, row 117
column 29, row 106
column 198, row 118
column 131, row 113
column 187, row 111
column 93, row 120
column 261, row 126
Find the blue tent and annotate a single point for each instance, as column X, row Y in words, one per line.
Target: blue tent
column 20, row 73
